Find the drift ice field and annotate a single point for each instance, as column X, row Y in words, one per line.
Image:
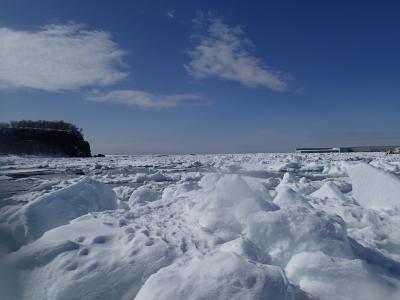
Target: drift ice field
column 240, row 226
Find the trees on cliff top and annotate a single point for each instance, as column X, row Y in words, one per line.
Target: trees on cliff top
column 42, row 124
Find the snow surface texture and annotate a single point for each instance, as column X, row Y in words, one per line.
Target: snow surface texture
column 59, row 208
column 249, row 226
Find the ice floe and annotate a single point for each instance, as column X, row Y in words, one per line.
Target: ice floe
column 234, row 226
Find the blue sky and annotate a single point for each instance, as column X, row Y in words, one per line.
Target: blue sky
column 205, row 76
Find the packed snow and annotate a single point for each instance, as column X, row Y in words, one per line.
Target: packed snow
column 233, row 226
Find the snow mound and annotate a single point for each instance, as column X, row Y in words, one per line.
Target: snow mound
column 330, row 191
column 372, row 187
column 288, row 197
column 334, row 169
column 285, row 232
column 226, row 203
column 298, row 184
column 285, row 166
column 222, row 275
column 90, row 258
column 331, row 200
column 334, row 278
column 58, row 208
column 143, row 195
column 158, row 177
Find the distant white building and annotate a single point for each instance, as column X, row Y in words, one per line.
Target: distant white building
column 317, row 150
column 388, row 149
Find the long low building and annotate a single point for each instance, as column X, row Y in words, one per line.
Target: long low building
column 389, row 149
column 317, row 150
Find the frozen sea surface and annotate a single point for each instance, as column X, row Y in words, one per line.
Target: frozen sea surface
column 237, row 226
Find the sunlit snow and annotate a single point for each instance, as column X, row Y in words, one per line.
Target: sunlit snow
column 240, row 226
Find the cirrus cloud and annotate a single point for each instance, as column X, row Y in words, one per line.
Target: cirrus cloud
column 58, row 57
column 222, row 51
column 144, row 99
column 170, row 13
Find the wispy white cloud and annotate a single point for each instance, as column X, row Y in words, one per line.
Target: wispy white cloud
column 58, row 57
column 223, row 51
column 144, row 99
column 170, row 13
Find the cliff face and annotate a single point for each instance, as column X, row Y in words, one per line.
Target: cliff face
column 43, row 142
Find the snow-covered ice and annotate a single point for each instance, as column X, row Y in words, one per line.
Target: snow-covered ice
column 59, row 208
column 234, row 226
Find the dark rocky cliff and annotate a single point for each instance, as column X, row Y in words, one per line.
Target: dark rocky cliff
column 38, row 141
